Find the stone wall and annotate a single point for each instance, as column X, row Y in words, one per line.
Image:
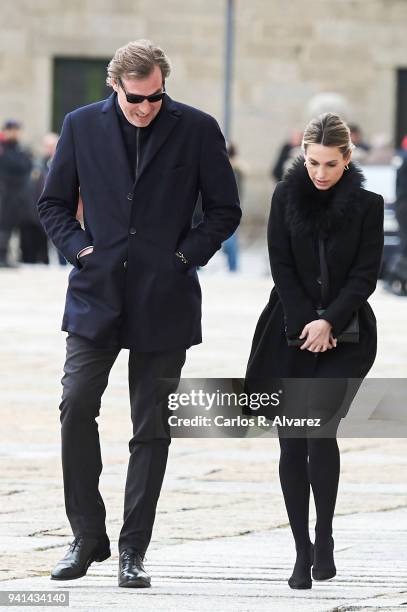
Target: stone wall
column 285, row 53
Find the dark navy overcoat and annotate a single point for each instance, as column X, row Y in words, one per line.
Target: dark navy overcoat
column 132, row 291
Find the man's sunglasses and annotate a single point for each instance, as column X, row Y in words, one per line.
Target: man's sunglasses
column 136, row 99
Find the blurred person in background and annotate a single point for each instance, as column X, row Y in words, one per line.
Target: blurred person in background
column 403, row 146
column 362, row 148
column 381, row 151
column 33, row 239
column 15, row 188
column 231, row 246
column 139, row 159
column 49, row 146
column 287, row 154
column 396, row 275
column 401, row 206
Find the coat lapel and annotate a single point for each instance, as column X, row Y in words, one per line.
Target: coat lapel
column 117, row 165
column 166, row 121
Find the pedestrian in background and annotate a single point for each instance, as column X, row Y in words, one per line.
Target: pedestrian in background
column 231, row 246
column 361, row 149
column 33, row 239
column 15, row 188
column 396, row 274
column 288, row 152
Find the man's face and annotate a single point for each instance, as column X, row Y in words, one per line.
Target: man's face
column 12, row 134
column 49, row 144
column 141, row 114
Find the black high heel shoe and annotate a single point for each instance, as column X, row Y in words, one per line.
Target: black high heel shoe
column 301, row 576
column 323, row 563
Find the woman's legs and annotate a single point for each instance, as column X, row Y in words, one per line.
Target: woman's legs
column 296, row 490
column 323, row 470
column 315, row 462
column 296, row 487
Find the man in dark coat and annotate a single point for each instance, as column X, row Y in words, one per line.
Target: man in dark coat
column 15, row 191
column 139, row 160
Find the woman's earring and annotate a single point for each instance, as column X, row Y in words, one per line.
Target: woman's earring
column 305, row 164
column 346, row 167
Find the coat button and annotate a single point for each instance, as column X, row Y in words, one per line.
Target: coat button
column 133, row 231
column 129, row 196
column 125, row 265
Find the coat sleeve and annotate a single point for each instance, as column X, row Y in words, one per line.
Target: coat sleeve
column 297, row 305
column 220, row 200
column 58, row 202
column 363, row 275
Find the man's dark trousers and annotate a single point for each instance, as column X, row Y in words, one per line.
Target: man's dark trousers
column 86, row 375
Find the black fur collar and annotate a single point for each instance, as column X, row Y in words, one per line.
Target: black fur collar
column 311, row 210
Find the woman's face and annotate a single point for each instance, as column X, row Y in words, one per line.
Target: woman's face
column 325, row 165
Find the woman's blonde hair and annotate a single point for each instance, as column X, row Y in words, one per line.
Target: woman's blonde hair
column 137, row 60
column 328, row 130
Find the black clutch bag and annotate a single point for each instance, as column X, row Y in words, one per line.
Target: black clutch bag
column 351, row 331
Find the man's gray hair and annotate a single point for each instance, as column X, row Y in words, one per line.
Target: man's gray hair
column 137, row 60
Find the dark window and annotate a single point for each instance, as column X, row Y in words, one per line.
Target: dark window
column 77, row 81
column 401, row 119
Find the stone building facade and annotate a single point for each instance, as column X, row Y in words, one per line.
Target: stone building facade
column 285, row 53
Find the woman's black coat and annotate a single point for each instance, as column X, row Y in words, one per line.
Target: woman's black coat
column 352, row 223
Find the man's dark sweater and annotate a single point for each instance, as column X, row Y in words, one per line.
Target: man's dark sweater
column 135, row 138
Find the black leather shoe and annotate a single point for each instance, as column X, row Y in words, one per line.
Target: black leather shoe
column 324, row 564
column 301, row 576
column 82, row 552
column 131, row 570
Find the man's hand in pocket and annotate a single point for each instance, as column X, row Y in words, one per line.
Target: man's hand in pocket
column 86, row 251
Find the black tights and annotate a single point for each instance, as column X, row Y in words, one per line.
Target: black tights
column 305, row 462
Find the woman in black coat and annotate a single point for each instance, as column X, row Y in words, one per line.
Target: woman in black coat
column 320, row 201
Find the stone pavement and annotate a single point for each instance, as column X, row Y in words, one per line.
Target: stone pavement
column 221, row 538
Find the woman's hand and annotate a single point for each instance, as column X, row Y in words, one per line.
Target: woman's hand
column 319, row 337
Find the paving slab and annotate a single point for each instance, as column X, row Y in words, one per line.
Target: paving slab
column 221, row 537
